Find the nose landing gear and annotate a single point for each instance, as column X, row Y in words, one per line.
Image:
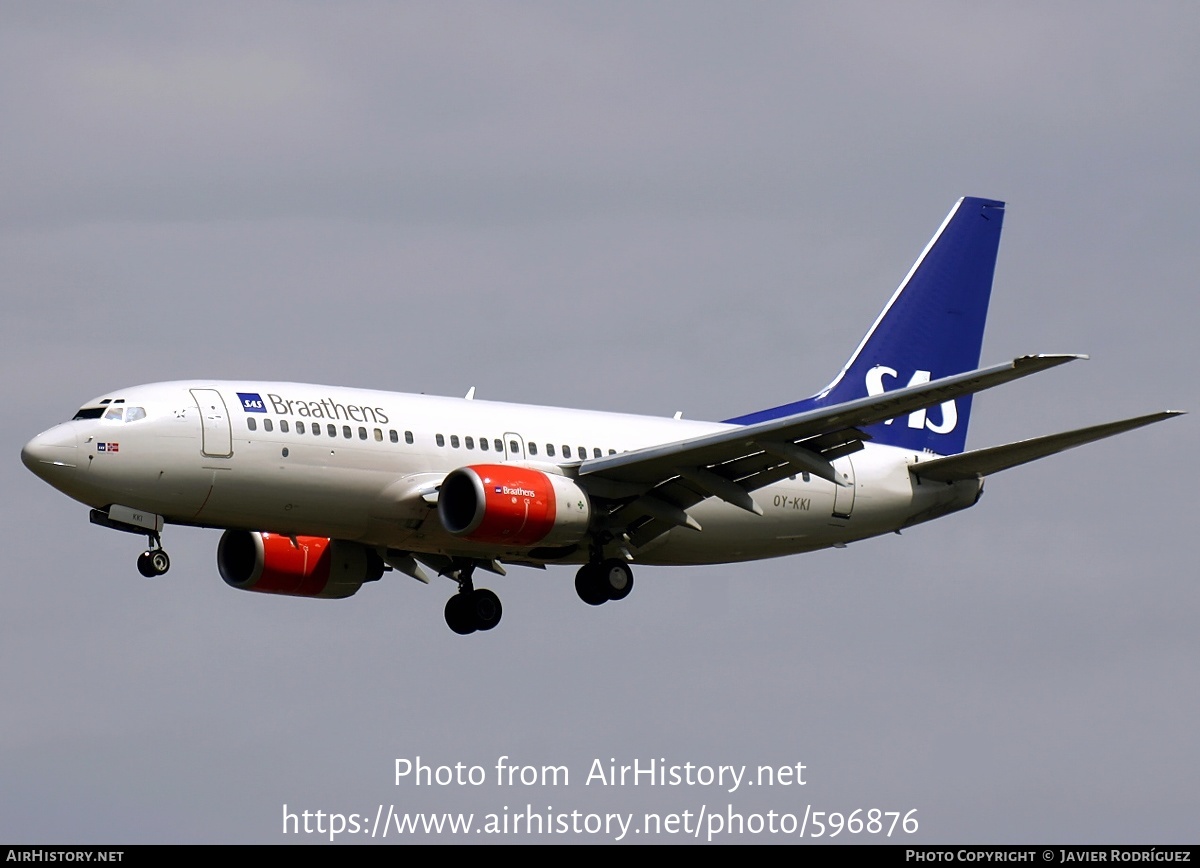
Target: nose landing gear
column 153, row 561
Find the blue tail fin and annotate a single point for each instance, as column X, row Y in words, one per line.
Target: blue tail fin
column 932, row 327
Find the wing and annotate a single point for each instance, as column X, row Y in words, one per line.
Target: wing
column 651, row 489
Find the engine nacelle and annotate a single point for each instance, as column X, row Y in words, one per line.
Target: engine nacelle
column 507, row 505
column 311, row 567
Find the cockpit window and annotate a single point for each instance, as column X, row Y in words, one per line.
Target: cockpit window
column 112, row 413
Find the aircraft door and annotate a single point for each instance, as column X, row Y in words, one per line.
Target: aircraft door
column 514, row 447
column 843, row 496
column 214, row 419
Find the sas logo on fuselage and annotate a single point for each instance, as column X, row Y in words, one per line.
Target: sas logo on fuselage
column 917, row 418
column 252, row 402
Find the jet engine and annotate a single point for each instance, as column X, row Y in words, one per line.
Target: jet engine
column 302, row 566
column 513, row 506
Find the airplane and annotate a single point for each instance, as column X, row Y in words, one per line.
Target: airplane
column 320, row 490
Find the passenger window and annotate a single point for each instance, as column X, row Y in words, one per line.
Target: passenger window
column 331, row 429
column 454, row 440
column 346, row 432
column 362, row 433
column 268, row 425
column 532, row 448
column 378, row 436
column 252, row 424
column 483, row 444
column 612, row 451
column 566, row 453
column 499, row 444
column 283, row 425
column 469, row 442
column 299, row 427
column 514, row 447
column 408, row 437
column 550, row 450
column 393, row 436
column 441, row 441
column 316, row 429
column 596, row 452
column 582, row 452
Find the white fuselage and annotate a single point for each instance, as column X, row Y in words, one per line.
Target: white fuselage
column 206, row 454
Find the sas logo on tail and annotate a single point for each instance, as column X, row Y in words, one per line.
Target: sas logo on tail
column 252, row 402
column 916, row 419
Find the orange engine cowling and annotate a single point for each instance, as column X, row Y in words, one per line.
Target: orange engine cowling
column 513, row 506
column 312, row 566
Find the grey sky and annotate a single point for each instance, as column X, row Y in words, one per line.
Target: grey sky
column 635, row 207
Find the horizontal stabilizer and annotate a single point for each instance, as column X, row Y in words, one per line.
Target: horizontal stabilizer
column 984, row 462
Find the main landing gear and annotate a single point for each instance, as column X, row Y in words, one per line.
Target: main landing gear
column 597, row 583
column 472, row 608
column 153, row 561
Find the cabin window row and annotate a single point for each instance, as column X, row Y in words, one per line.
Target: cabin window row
column 514, row 446
column 331, row 430
column 484, row 444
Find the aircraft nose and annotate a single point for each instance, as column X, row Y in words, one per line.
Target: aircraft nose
column 55, row 448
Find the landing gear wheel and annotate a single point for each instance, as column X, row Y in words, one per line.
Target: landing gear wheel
column 609, row 580
column 459, row 616
column 159, row 562
column 616, row 579
column 589, row 585
column 153, row 562
column 468, row 611
column 144, row 566
column 486, row 608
